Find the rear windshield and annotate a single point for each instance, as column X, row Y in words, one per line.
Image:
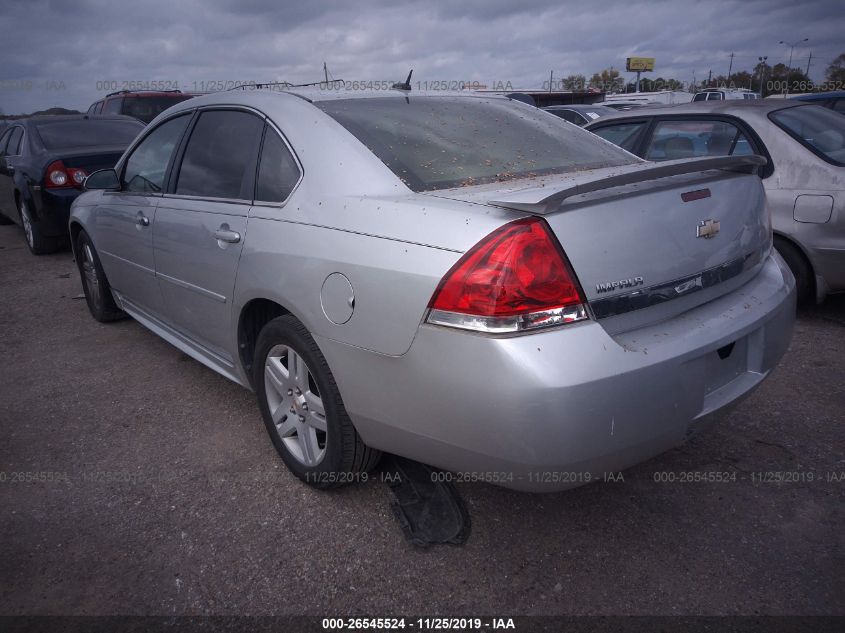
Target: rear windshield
column 148, row 108
column 443, row 142
column 87, row 132
column 818, row 128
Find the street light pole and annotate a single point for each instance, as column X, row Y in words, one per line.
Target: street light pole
column 791, row 46
column 762, row 61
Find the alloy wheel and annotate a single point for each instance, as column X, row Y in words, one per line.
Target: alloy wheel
column 295, row 405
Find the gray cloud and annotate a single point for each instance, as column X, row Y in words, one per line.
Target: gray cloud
column 60, row 53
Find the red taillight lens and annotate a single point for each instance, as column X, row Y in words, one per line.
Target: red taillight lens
column 59, row 177
column 515, row 279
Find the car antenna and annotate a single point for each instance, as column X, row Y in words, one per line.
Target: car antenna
column 406, row 85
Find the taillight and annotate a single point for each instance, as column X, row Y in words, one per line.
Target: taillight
column 58, row 176
column 515, row 279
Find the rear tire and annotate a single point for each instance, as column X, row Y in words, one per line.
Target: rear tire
column 805, row 283
column 38, row 244
column 303, row 410
column 98, row 294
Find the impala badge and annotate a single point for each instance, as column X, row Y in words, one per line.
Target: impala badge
column 707, row 228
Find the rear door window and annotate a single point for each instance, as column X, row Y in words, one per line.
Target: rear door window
column 625, row 135
column 146, row 167
column 672, row 140
column 220, row 158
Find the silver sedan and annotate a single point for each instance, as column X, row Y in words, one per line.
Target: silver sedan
column 804, row 178
column 459, row 279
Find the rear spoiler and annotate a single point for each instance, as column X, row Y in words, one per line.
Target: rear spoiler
column 632, row 174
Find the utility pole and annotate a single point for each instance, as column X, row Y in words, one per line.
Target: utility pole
column 326, row 72
column 762, row 61
column 709, row 75
column 791, row 46
column 730, row 67
column 551, row 79
column 809, row 60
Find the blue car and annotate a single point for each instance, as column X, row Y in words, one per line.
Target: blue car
column 833, row 100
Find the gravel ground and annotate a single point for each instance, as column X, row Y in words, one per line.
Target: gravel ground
column 161, row 494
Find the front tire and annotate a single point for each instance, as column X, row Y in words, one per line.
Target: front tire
column 38, row 244
column 303, row 410
column 98, row 294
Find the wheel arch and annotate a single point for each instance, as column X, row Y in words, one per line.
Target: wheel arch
column 75, row 228
column 805, row 256
column 254, row 315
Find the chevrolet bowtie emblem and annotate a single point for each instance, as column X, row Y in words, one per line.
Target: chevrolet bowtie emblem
column 707, row 228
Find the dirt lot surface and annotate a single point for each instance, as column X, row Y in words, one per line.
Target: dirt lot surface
column 133, row 480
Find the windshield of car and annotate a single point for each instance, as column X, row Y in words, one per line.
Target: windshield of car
column 87, row 132
column 817, row 128
column 148, row 108
column 442, row 142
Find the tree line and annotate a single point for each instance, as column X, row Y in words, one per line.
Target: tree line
column 763, row 78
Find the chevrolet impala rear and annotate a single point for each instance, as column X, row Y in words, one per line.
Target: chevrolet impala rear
column 605, row 309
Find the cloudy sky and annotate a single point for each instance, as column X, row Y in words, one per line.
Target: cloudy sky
column 61, row 53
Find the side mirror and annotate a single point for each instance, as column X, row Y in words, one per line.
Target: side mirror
column 105, row 179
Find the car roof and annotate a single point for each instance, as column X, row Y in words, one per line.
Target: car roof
column 41, row 118
column 740, row 108
column 821, row 96
column 578, row 107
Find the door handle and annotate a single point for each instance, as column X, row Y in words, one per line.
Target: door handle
column 142, row 220
column 225, row 234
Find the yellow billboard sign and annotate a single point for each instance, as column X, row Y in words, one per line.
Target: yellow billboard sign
column 641, row 64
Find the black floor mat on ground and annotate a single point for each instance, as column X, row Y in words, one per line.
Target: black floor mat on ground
column 430, row 511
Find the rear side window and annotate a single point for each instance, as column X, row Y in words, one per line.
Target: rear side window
column 569, row 115
column 686, row 139
column 148, row 108
column 87, row 132
column 442, row 142
column 819, row 129
column 147, row 165
column 220, row 158
column 278, row 172
column 4, row 140
column 112, row 106
column 625, row 135
column 14, row 146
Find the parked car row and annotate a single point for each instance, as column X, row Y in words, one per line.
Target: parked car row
column 386, row 279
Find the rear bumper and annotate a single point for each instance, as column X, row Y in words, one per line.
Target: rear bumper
column 553, row 410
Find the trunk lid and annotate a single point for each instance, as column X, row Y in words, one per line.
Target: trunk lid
column 649, row 241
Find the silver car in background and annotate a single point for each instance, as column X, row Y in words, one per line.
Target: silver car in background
column 462, row 280
column 804, row 179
